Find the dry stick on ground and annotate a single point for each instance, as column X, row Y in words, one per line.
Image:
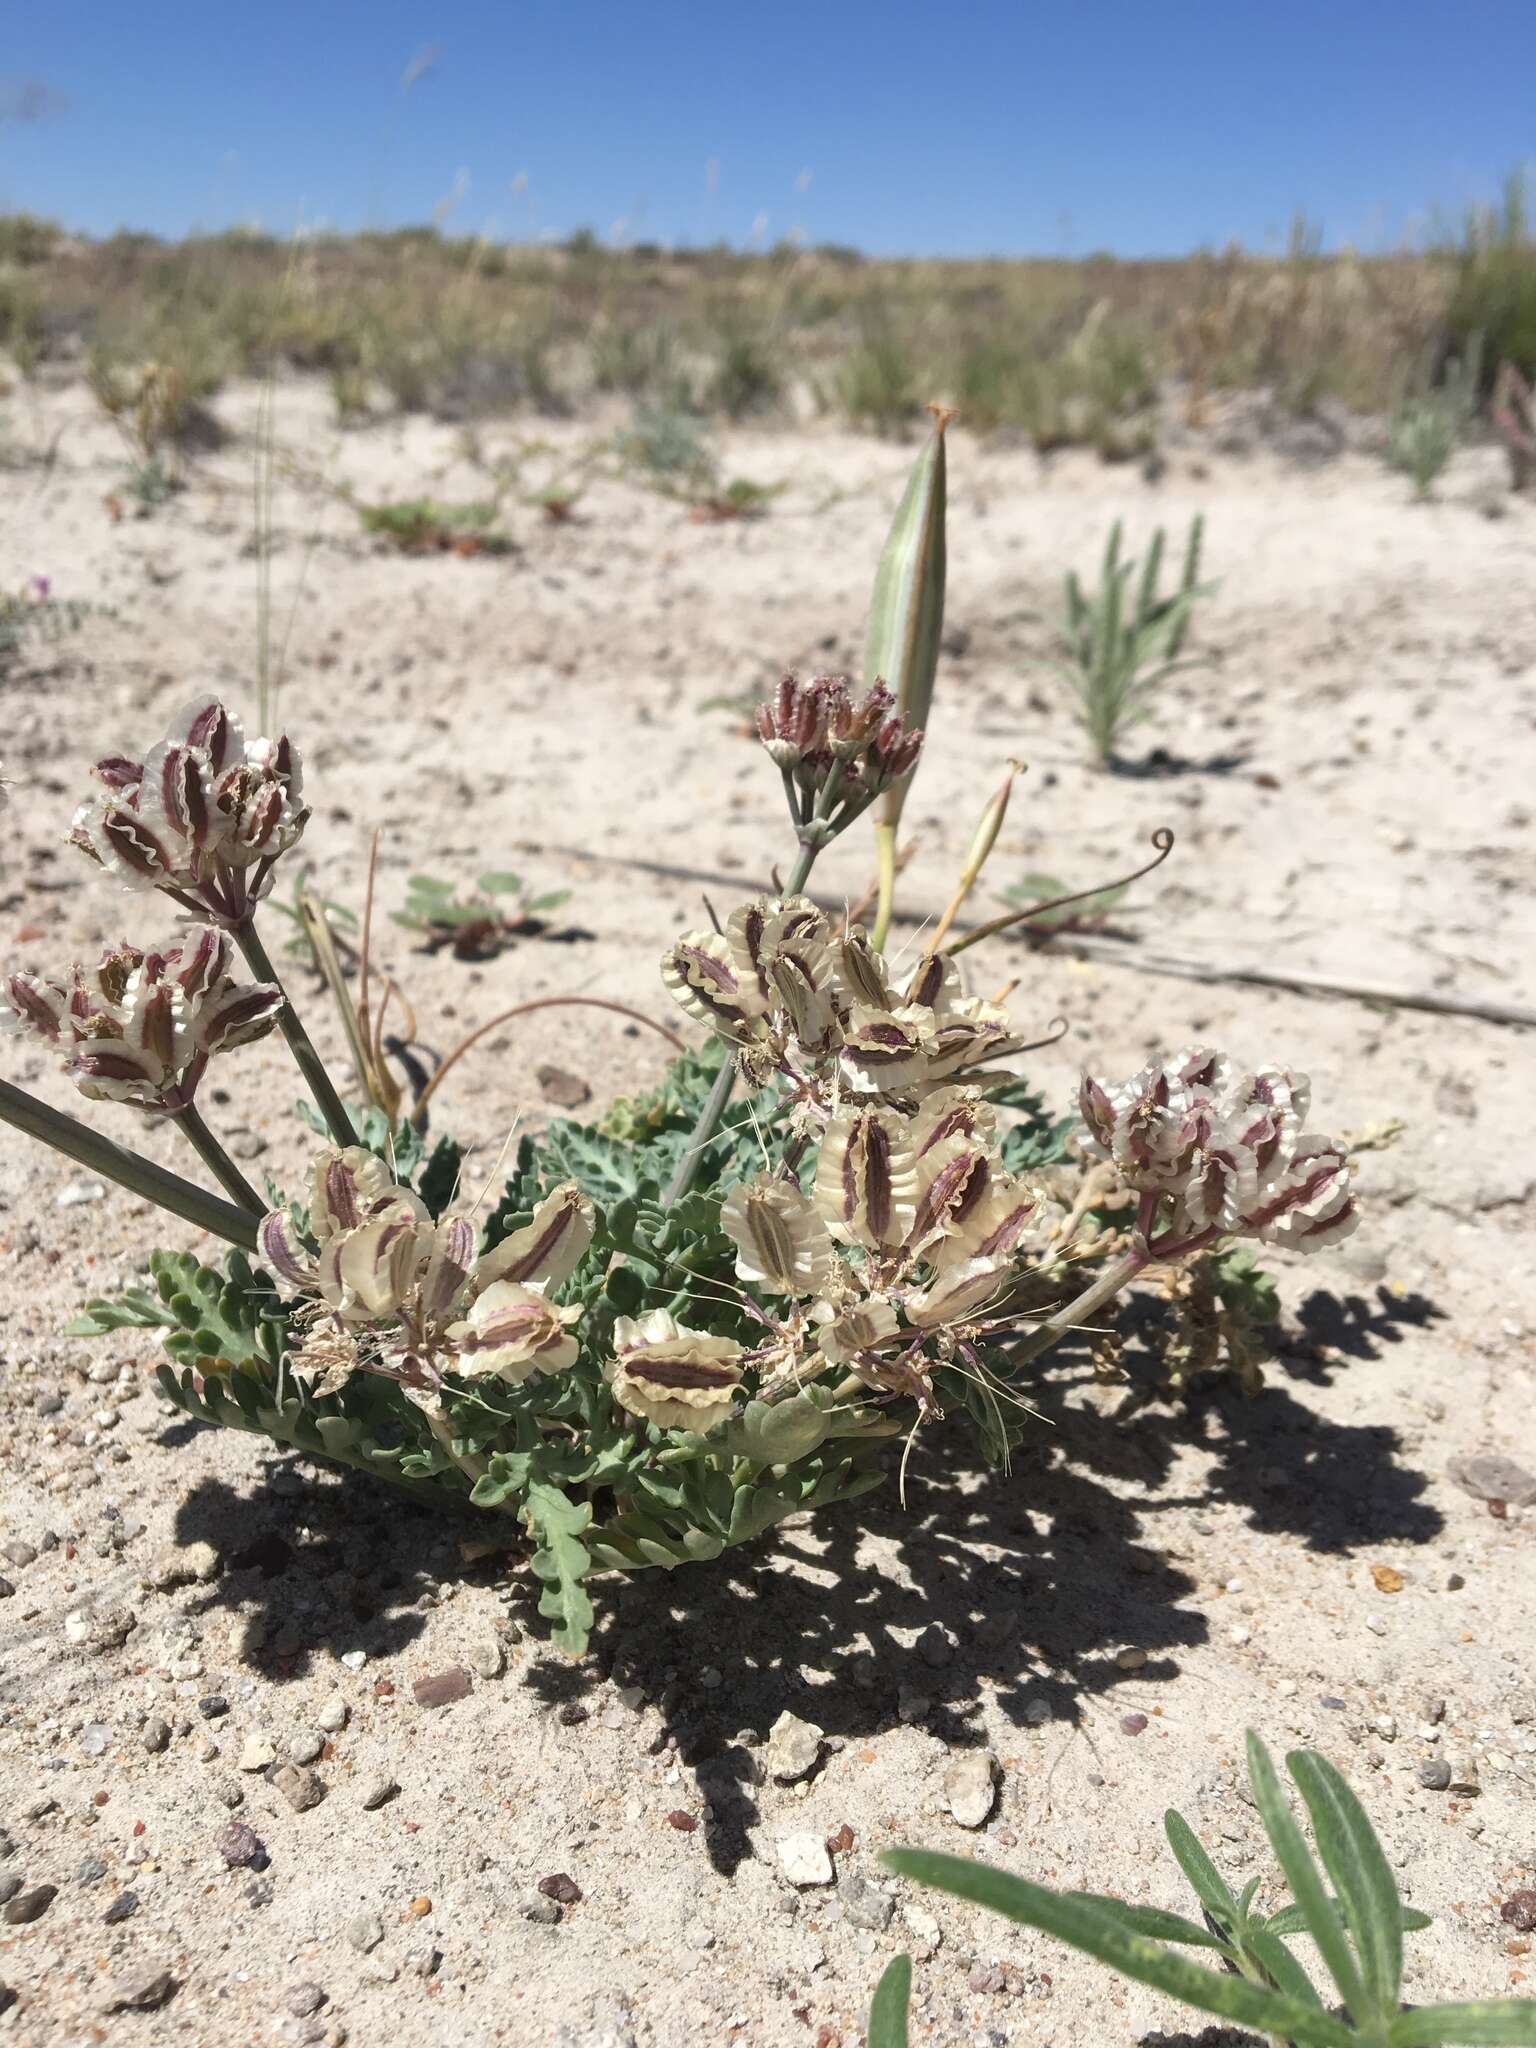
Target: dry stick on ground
column 1084, row 946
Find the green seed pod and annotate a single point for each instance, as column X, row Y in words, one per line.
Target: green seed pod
column 906, row 617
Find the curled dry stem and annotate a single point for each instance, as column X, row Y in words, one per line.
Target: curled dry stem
column 473, row 1038
column 1162, row 839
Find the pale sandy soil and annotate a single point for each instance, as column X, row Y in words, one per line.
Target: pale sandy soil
column 1351, row 782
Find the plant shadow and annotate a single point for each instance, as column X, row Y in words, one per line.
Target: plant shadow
column 1026, row 1585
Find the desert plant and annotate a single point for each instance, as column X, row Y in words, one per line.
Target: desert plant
column 877, row 383
column 1126, row 637
column 746, row 377
column 431, row 526
column 1494, row 295
column 478, row 924
column 1429, row 420
column 1349, row 1908
column 672, row 1329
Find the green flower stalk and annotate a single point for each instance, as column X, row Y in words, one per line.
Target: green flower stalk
column 906, row 618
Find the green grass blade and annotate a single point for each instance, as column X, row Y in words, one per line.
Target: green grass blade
column 888, row 2008
column 1295, row 1858
column 1096, row 1933
column 1150, row 1921
column 1357, row 1863
column 1500, row 2023
column 1209, row 1885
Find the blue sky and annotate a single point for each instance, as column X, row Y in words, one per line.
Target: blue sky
column 901, row 127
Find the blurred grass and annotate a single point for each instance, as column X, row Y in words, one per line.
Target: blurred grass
column 1061, row 351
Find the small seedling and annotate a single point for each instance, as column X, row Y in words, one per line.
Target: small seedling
column 1350, row 1909
column 1077, row 914
column 420, row 526
column 34, row 613
column 477, row 926
column 1118, row 649
column 740, row 499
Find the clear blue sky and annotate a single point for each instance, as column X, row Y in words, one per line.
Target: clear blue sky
column 1142, row 126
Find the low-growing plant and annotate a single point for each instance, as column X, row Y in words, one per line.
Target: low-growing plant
column 1127, row 636
column 1349, row 1909
column 1430, row 419
column 669, row 1330
column 746, row 377
column 421, row 526
column 670, row 448
column 477, row 924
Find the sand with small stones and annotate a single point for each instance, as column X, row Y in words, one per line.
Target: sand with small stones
column 1350, row 779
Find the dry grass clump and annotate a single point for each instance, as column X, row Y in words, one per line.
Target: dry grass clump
column 1065, row 352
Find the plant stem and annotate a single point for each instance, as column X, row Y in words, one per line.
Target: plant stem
column 1088, row 1303
column 885, row 848
column 140, row 1176
column 217, row 1160
column 308, row 1060
column 714, row 1108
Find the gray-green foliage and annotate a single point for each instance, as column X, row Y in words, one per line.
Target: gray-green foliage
column 1430, row 419
column 596, row 1489
column 1344, row 1900
column 1127, row 636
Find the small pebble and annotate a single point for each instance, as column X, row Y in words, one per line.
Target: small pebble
column 970, row 1786
column 213, row 1706
column 96, row 1739
column 364, row 1932
column 333, row 1713
column 1130, row 1658
column 354, row 1660
column 378, row 1792
column 155, row 1735
column 241, row 1846
column 420, row 1907
column 301, row 1788
column 91, row 1871
column 487, row 1658
column 804, row 1859
column 303, row 1999
column 257, row 1754
column 1132, row 1724
column 1435, row 1774
column 28, row 1906
column 565, row 1889
column 543, row 1912
column 441, row 1688
column 143, row 1992
column 123, row 1907
column 306, row 1746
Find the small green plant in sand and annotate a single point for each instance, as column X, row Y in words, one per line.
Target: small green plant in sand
column 1126, row 636
column 738, row 1295
column 424, row 526
column 1343, row 1901
column 1431, row 419
column 478, row 923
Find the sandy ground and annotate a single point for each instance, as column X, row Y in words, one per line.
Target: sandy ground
column 1350, row 780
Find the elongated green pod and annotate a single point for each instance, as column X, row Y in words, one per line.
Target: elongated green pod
column 906, row 618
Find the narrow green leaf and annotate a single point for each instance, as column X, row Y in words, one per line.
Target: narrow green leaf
column 550, row 900
column 1499, row 2023
column 1357, row 1863
column 1245, row 1897
column 906, row 614
column 1209, row 1884
column 888, row 2008
column 428, row 885
column 1291, row 1920
column 1323, row 1922
column 1280, row 1966
column 500, row 882
column 1151, row 1921
column 1088, row 1928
